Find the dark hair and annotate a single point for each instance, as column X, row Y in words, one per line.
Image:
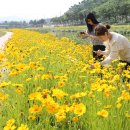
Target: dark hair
column 94, row 20
column 101, row 30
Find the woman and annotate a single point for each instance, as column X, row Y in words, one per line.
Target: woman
column 97, row 44
column 117, row 46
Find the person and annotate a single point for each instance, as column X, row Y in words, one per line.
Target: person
column 117, row 46
column 91, row 23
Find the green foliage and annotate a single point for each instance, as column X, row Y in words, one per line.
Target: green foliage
column 114, row 11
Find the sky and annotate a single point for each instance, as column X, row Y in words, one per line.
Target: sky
column 35, row 9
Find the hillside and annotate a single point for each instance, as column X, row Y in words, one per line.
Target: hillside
column 114, row 11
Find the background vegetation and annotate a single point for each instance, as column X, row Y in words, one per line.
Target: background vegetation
column 112, row 11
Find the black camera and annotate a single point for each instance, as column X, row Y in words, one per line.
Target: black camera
column 82, row 32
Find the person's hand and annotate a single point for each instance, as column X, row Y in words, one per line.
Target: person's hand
column 99, row 53
column 84, row 34
column 92, row 66
column 120, row 70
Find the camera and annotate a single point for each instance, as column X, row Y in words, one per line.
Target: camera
column 82, row 32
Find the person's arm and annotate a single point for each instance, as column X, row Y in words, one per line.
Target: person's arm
column 105, row 53
column 113, row 55
column 91, row 36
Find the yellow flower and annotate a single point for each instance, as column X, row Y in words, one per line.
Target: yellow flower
column 23, row 127
column 35, row 96
column 3, row 96
column 9, row 127
column 35, row 109
column 2, row 55
column 107, row 107
column 59, row 93
column 103, row 113
column 78, row 109
column 64, row 108
column 19, row 90
column 17, row 85
column 75, row 119
column 119, row 105
column 11, row 121
column 21, row 113
column 28, row 79
column 127, row 115
column 4, row 84
column 78, row 95
column 46, row 77
column 33, row 65
column 60, row 116
column 61, row 83
column 116, row 78
column 40, row 69
column 21, row 67
column 31, row 117
column 51, row 105
column 13, row 73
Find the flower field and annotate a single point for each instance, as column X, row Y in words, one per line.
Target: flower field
column 47, row 84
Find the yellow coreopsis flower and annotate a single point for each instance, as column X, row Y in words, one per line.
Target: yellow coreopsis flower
column 119, row 105
column 51, row 106
column 3, row 96
column 40, row 69
column 61, row 83
column 64, row 77
column 9, row 127
column 19, row 90
column 75, row 119
column 35, row 96
column 1, row 56
column 127, row 115
column 21, row 67
column 64, row 108
column 103, row 113
column 23, row 127
column 60, row 116
column 35, row 109
column 33, row 65
column 4, row 84
column 107, row 106
column 31, row 117
column 59, row 93
column 28, row 79
column 46, row 77
column 13, row 73
column 17, row 85
column 125, row 95
column 116, row 78
column 11, row 121
column 78, row 95
column 78, row 109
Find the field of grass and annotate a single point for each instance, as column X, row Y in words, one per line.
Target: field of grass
column 72, row 32
column 2, row 32
column 47, row 84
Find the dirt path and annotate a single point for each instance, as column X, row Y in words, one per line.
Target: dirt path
column 4, row 39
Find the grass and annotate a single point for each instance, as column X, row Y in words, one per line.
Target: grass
column 2, row 32
column 72, row 32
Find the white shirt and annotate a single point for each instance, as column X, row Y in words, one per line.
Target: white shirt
column 117, row 47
